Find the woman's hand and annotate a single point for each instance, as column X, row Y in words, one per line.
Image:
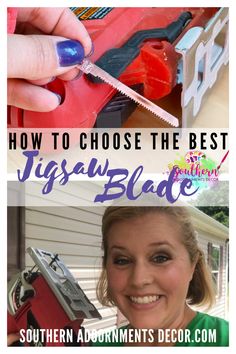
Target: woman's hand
column 44, row 47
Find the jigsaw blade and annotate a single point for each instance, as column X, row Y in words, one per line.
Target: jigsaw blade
column 89, row 68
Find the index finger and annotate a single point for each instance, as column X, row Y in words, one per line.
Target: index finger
column 56, row 21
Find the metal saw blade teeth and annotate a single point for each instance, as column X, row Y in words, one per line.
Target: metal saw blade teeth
column 90, row 68
column 139, row 103
column 136, row 101
column 148, row 108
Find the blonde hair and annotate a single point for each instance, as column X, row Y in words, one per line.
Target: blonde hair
column 201, row 291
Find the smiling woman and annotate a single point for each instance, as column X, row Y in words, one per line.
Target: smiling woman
column 153, row 270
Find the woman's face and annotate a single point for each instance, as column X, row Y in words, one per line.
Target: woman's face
column 149, row 271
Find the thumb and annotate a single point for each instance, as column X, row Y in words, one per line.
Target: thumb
column 36, row 57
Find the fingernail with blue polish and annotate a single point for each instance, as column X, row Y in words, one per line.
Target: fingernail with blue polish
column 91, row 51
column 70, row 53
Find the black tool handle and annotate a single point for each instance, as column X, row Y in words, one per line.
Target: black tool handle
column 116, row 60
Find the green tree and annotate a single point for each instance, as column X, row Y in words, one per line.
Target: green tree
column 214, row 202
column 220, row 214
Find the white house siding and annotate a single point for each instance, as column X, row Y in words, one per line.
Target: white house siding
column 75, row 233
column 217, row 235
column 220, row 308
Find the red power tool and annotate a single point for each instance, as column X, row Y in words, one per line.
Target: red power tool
column 47, row 303
column 136, row 45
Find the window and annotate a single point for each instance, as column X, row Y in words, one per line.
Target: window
column 215, row 261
